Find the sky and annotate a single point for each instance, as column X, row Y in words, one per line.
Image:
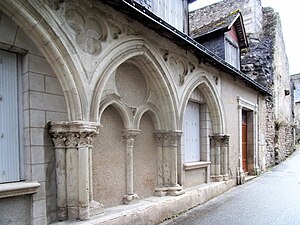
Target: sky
column 289, row 15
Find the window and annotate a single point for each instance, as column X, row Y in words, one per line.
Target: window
column 192, row 132
column 9, row 118
column 232, row 55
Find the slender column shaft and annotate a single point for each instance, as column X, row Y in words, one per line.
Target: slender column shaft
column 61, row 190
column 129, row 136
column 83, row 155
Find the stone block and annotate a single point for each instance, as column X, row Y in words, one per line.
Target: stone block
column 36, row 82
column 49, row 102
column 37, row 136
column 25, row 78
column 24, row 42
column 38, row 64
column 38, row 172
column 39, row 221
column 26, row 118
column 53, row 86
column 24, row 63
column 41, row 194
column 37, row 154
column 37, row 118
column 8, row 30
column 56, row 116
column 26, row 134
column 26, row 100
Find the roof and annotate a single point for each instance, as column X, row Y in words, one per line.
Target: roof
column 155, row 23
column 224, row 24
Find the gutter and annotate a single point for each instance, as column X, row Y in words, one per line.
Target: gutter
column 155, row 23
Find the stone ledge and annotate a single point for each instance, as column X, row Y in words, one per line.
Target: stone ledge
column 154, row 210
column 195, row 165
column 18, row 188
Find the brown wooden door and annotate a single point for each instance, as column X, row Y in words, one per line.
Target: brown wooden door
column 244, row 141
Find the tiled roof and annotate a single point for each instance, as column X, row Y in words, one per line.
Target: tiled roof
column 219, row 24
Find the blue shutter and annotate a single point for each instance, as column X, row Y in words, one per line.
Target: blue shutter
column 192, row 132
column 9, row 120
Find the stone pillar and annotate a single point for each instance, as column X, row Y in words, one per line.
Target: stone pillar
column 129, row 136
column 167, row 143
column 219, row 157
column 255, row 144
column 160, row 190
column 225, row 151
column 73, row 143
column 240, row 171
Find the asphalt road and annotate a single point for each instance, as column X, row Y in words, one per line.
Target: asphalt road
column 271, row 199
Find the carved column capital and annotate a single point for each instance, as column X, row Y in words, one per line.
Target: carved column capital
column 172, row 138
column 73, row 134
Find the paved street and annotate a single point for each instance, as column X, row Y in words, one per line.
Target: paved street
column 271, row 199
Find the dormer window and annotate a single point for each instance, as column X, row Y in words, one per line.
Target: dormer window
column 232, row 53
column 225, row 37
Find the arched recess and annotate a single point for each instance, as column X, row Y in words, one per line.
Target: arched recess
column 212, row 100
column 114, row 101
column 138, row 51
column 152, row 111
column 49, row 40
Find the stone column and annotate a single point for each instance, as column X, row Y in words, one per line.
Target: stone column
column 129, row 136
column 240, row 171
column 61, row 189
column 72, row 143
column 160, row 190
column 225, row 151
column 218, row 154
column 255, row 144
column 167, row 149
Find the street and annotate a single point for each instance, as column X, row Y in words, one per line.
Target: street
column 272, row 199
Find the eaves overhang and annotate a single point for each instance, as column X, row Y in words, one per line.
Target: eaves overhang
column 147, row 18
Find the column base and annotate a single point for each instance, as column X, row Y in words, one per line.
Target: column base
column 95, row 208
column 130, row 199
column 61, row 213
column 257, row 171
column 225, row 177
column 216, row 178
column 240, row 177
column 161, row 191
column 175, row 191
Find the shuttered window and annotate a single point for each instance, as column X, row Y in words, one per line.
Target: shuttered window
column 192, row 132
column 9, row 119
column 232, row 55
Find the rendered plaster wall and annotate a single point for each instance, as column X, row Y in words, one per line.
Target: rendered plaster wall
column 231, row 114
column 109, row 184
column 145, row 160
column 42, row 101
column 16, row 210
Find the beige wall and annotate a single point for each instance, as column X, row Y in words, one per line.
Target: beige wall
column 145, row 159
column 109, row 160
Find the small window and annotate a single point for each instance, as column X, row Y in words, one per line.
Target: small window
column 232, row 54
column 192, row 132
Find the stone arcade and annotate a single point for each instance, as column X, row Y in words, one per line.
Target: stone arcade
column 122, row 117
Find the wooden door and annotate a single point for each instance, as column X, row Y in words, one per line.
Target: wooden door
column 244, row 141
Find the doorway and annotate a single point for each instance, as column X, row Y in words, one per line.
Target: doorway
column 244, row 141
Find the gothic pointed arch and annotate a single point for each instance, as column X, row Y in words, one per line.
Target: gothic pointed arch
column 48, row 38
column 141, row 54
column 212, row 100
